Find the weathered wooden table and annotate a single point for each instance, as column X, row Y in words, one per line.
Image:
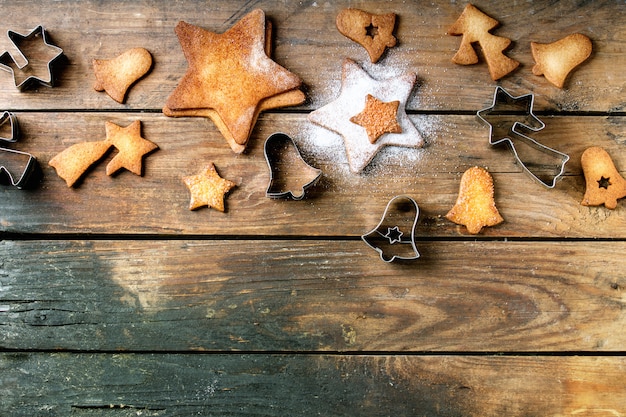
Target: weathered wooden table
column 117, row 300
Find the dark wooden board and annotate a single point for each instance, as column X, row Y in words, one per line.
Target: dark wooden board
column 294, row 295
column 279, row 385
column 116, row 300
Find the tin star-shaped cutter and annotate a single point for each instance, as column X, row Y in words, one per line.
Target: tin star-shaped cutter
column 508, row 125
column 36, row 68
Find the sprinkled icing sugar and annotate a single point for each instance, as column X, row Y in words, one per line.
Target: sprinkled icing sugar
column 326, row 147
column 356, row 85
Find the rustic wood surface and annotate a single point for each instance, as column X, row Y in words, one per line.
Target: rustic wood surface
column 116, row 300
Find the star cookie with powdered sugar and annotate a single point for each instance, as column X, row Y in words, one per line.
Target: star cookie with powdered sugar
column 339, row 115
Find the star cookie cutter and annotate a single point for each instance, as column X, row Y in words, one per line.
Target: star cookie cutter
column 394, row 237
column 503, row 118
column 16, row 166
column 290, row 175
column 26, row 78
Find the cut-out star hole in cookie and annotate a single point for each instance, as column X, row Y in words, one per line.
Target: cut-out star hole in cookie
column 356, row 85
column 207, row 189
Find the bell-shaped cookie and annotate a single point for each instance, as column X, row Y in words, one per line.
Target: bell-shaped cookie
column 604, row 184
column 557, row 59
column 374, row 32
column 115, row 76
column 394, row 238
column 475, row 207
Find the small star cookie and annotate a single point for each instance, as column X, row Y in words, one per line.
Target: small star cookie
column 356, row 85
column 207, row 189
column 131, row 146
column 378, row 118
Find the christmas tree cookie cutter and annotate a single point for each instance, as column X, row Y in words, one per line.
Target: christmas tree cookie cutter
column 27, row 76
column 508, row 125
column 16, row 166
column 394, row 237
column 290, row 175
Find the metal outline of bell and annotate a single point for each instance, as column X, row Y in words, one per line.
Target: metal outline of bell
column 390, row 233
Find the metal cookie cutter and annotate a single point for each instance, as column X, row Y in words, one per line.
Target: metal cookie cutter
column 12, row 130
column 18, row 167
column 290, row 175
column 394, row 237
column 26, row 73
column 507, row 124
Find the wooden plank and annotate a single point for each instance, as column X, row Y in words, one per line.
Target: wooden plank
column 342, row 204
column 307, row 43
column 309, row 385
column 311, row 295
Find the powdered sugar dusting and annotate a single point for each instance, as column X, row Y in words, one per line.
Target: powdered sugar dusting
column 356, row 85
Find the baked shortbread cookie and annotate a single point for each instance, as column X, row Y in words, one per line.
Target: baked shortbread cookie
column 475, row 207
column 557, row 59
column 231, row 78
column 475, row 25
column 374, row 32
column 115, row 76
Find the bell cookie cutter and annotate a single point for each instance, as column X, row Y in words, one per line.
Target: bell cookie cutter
column 290, row 175
column 7, row 63
column 512, row 133
column 394, row 237
column 15, row 165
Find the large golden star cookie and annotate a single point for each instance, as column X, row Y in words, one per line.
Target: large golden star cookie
column 231, row 78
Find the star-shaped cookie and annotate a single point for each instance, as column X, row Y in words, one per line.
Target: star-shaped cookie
column 356, row 86
column 378, row 118
column 74, row 161
column 131, row 146
column 231, row 78
column 207, row 189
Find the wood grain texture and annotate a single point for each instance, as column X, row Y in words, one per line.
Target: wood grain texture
column 341, row 204
column 275, row 295
column 307, row 43
column 305, row 385
column 116, row 300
